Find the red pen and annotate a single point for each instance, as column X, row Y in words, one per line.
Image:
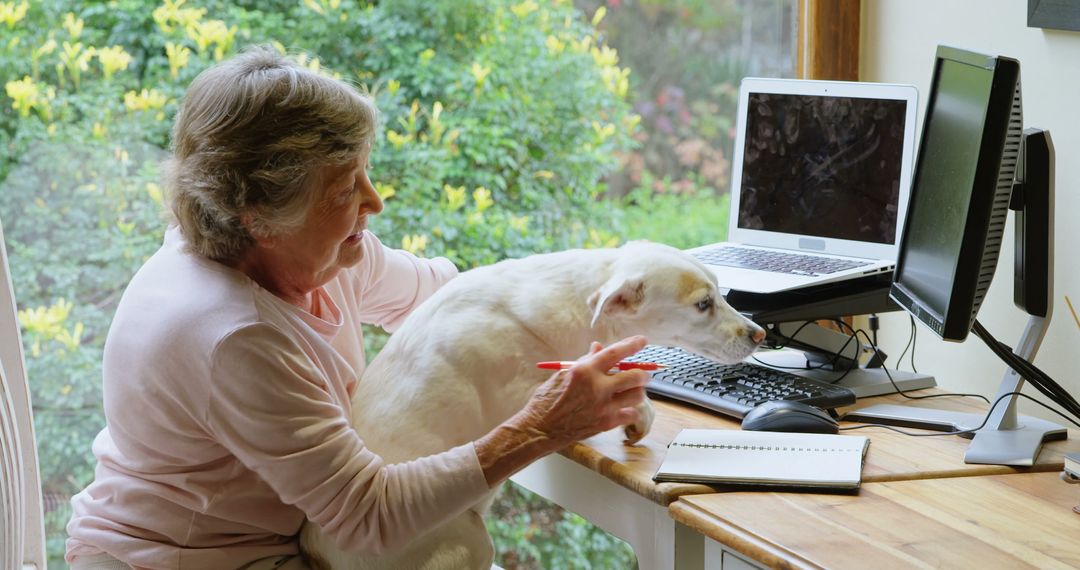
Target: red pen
column 563, row 365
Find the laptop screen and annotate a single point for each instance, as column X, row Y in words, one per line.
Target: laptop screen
column 822, row 166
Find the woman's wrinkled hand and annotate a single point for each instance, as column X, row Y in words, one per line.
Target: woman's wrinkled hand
column 585, row 399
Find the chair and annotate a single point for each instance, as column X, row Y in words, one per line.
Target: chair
column 22, row 529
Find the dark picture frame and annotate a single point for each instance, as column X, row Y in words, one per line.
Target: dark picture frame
column 1054, row 14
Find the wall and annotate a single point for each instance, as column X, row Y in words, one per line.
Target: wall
column 899, row 39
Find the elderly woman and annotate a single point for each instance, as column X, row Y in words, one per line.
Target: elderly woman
column 230, row 363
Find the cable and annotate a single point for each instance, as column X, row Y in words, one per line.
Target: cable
column 914, row 341
column 986, row 419
column 910, row 339
column 923, row 397
column 873, row 346
column 1025, row 369
column 830, row 363
column 855, row 363
column 1021, row 366
column 1028, row 371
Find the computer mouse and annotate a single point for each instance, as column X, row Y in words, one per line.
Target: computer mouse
column 783, row 415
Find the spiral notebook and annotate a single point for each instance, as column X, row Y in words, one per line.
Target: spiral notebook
column 764, row 458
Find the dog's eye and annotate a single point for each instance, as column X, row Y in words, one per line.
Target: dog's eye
column 704, row 304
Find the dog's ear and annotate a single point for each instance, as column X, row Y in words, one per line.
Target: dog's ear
column 617, row 294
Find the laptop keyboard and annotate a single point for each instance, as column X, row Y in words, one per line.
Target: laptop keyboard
column 733, row 389
column 775, row 261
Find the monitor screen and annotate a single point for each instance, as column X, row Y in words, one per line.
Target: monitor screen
column 944, row 177
column 960, row 191
column 810, row 160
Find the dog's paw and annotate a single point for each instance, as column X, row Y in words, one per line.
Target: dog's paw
column 637, row 430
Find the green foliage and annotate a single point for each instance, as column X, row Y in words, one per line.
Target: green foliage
column 687, row 108
column 531, row 533
column 680, row 220
column 85, row 221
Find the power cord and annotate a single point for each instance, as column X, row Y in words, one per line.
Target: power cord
column 1028, row 371
column 912, row 341
column 1036, row 377
column 1031, row 373
column 972, row 430
column 903, row 392
column 852, row 337
column 874, row 325
column 824, row 365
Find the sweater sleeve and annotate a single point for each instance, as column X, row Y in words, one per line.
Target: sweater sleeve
column 393, row 282
column 271, row 408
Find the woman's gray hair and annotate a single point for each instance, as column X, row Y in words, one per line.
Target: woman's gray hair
column 250, row 134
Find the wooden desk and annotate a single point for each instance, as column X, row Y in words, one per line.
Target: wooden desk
column 610, row 483
column 1001, row 521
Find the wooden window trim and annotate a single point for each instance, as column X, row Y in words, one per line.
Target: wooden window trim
column 828, row 40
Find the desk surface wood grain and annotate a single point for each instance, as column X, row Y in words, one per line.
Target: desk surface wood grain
column 891, row 457
column 1002, row 521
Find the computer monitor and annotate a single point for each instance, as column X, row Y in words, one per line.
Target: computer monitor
column 963, row 179
column 972, row 152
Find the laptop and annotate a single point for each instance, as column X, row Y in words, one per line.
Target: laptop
column 820, row 184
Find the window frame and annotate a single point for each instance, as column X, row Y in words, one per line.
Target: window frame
column 827, row 45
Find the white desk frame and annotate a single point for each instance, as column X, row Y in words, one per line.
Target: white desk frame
column 658, row 542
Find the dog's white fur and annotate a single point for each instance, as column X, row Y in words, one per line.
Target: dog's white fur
column 464, row 362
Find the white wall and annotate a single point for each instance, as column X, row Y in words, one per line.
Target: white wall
column 899, row 38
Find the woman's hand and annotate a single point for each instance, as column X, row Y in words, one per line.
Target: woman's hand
column 585, row 400
column 570, row 406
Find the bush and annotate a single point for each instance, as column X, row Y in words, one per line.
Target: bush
column 501, row 120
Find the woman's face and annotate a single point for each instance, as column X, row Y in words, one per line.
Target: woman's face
column 330, row 238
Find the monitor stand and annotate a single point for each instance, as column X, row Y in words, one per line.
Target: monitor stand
column 825, row 355
column 1007, row 438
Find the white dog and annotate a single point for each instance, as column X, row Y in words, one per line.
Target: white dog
column 465, row 361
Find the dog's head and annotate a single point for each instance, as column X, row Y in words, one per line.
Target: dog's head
column 671, row 298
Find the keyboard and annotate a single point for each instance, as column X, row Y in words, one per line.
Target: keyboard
column 775, row 261
column 733, row 389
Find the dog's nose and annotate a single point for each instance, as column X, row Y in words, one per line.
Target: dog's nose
column 759, row 336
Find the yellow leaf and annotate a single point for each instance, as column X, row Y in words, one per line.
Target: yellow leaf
column 555, row 45
column 385, row 190
column 482, row 197
column 455, row 197
column 524, row 9
column 414, row 244
column 599, row 15
column 155, row 193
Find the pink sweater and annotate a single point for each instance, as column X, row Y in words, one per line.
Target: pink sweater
column 227, row 419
